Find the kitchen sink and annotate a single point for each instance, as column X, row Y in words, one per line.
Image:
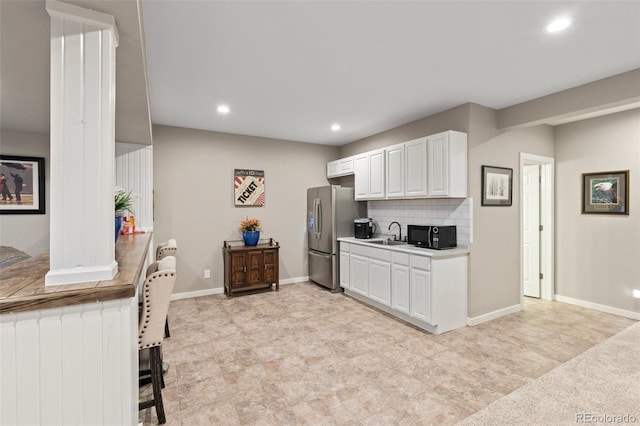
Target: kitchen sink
column 388, row 243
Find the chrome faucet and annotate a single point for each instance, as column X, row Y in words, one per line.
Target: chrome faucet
column 399, row 237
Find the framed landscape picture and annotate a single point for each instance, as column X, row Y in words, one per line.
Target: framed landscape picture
column 21, row 185
column 496, row 186
column 605, row 192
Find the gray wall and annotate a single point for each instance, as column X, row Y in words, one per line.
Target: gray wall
column 26, row 232
column 193, row 194
column 494, row 281
column 597, row 256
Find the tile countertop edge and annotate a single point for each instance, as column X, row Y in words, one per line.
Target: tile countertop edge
column 131, row 252
column 436, row 254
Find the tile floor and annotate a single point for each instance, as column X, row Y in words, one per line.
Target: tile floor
column 306, row 356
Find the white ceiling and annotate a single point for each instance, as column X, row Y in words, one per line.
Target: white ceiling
column 288, row 70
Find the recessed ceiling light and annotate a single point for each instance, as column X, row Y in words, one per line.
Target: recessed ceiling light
column 558, row 25
column 223, row 109
column 335, row 127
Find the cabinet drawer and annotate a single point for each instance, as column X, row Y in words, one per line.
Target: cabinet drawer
column 421, row 262
column 371, row 252
column 400, row 258
column 345, row 247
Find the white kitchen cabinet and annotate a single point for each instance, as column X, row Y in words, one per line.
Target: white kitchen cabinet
column 359, row 274
column 341, row 167
column 369, row 179
column 380, row 281
column 447, row 164
column 400, row 288
column 344, row 265
column 427, row 290
column 406, row 173
column 416, row 168
column 420, row 288
column 395, row 164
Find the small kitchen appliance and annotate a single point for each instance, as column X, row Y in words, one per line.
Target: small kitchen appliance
column 432, row 237
column 363, row 228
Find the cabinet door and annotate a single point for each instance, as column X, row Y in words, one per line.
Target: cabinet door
column 420, row 305
column 380, row 281
column 359, row 274
column 255, row 266
column 333, row 168
column 438, row 164
column 238, row 269
column 344, row 270
column 395, row 171
column 361, row 179
column 376, row 174
column 270, row 261
column 346, row 166
column 416, row 168
column 400, row 288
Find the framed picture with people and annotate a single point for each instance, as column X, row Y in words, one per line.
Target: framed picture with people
column 21, row 185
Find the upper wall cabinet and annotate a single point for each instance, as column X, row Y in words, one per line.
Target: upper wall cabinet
column 428, row 167
column 447, row 165
column 369, row 179
column 341, row 167
column 406, row 169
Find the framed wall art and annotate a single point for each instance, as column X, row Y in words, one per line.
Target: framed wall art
column 248, row 187
column 496, row 186
column 605, row 192
column 21, row 185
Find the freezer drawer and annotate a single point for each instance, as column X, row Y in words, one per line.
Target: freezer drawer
column 322, row 269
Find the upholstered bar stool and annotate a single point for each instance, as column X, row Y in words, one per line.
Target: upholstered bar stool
column 163, row 250
column 156, row 295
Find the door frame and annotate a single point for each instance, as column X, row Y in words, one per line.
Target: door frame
column 547, row 209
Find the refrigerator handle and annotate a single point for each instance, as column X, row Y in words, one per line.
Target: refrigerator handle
column 316, row 201
column 319, row 218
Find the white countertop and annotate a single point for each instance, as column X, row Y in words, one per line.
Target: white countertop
column 406, row 248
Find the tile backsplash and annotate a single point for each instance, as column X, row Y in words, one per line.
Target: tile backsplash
column 432, row 211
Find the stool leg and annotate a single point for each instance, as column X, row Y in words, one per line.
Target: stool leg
column 156, row 380
column 166, row 328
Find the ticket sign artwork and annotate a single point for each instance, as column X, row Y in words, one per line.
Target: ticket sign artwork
column 249, row 187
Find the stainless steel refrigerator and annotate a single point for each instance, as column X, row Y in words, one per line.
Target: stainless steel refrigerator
column 330, row 214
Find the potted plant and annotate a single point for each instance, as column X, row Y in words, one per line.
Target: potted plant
column 250, row 231
column 123, row 202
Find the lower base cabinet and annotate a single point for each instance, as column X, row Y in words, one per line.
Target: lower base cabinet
column 429, row 292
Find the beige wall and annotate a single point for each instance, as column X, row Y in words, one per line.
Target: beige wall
column 598, row 256
column 26, row 232
column 494, row 281
column 452, row 119
column 193, row 184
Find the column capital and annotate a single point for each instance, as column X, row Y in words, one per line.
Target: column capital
column 69, row 12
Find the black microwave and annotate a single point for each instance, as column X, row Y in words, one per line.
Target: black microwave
column 432, row 237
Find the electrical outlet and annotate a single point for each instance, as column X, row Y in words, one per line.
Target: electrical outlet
column 207, row 273
column 636, row 293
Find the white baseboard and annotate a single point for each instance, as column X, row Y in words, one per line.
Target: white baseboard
column 197, row 293
column 598, row 307
column 493, row 315
column 294, row 280
column 220, row 290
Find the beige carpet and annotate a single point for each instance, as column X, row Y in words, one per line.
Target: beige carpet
column 599, row 386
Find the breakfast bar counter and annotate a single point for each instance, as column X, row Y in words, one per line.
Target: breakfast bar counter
column 70, row 352
column 22, row 285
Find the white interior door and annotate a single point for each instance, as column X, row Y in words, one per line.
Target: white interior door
column 531, row 230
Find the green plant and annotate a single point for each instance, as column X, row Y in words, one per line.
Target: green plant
column 123, row 200
column 251, row 225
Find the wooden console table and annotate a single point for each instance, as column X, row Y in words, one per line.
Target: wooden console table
column 250, row 267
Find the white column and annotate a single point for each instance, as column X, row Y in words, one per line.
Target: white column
column 83, row 55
